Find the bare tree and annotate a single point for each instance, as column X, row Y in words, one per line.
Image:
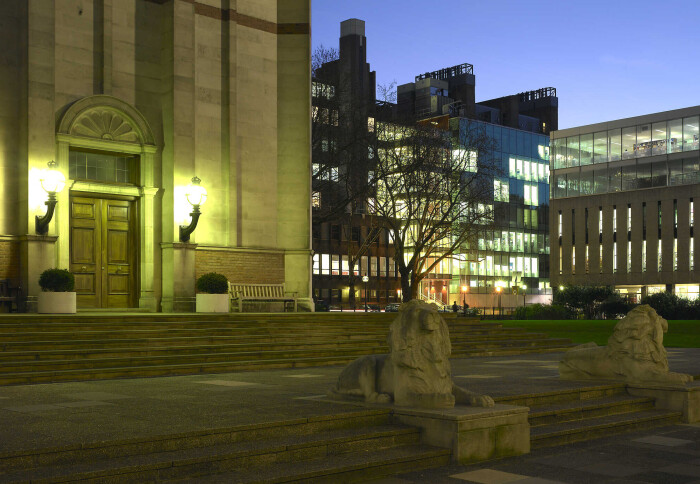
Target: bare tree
column 435, row 192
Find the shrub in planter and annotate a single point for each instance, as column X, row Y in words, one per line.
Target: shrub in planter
column 213, row 293
column 57, row 294
column 212, row 283
column 57, row 280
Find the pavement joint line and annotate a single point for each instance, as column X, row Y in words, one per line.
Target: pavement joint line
column 664, row 441
column 483, row 377
column 489, row 476
column 231, row 383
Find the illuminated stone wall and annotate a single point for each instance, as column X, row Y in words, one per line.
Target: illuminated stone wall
column 219, row 90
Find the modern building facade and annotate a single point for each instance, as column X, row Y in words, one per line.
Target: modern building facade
column 132, row 100
column 346, row 242
column 510, row 264
column 623, row 197
column 513, row 253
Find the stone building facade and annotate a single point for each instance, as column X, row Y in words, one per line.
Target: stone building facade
column 132, row 99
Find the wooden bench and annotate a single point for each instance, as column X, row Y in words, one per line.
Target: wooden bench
column 8, row 294
column 259, row 292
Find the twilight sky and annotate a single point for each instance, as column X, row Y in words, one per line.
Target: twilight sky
column 608, row 59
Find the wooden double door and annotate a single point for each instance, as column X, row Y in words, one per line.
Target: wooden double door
column 103, row 251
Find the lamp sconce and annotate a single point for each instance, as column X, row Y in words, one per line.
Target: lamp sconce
column 52, row 181
column 196, row 196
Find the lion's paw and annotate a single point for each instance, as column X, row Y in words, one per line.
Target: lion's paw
column 378, row 398
column 481, row 401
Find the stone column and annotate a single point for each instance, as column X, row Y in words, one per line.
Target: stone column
column 147, row 249
column 37, row 253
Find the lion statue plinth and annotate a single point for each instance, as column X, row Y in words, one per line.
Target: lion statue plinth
column 417, row 370
column 635, row 353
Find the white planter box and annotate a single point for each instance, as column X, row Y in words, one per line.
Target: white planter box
column 212, row 303
column 57, row 302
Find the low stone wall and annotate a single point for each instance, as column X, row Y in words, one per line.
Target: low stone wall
column 241, row 266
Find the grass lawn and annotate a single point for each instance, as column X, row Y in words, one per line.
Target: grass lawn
column 681, row 333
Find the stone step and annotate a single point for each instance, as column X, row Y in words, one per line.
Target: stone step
column 98, row 358
column 592, row 428
column 344, row 446
column 87, row 351
column 580, row 410
column 320, row 332
column 214, row 459
column 169, row 359
column 344, row 468
column 241, row 341
column 28, row 377
column 567, row 395
column 95, row 451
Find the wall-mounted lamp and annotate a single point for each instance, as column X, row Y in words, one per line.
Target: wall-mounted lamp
column 196, row 196
column 52, row 181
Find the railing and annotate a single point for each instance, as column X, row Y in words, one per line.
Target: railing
column 538, row 94
column 447, row 72
column 432, row 300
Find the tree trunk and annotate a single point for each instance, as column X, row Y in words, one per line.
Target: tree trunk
column 414, row 287
column 406, row 294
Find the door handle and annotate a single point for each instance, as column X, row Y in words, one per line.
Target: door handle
column 84, row 268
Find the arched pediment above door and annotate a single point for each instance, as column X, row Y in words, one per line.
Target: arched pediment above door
column 106, row 118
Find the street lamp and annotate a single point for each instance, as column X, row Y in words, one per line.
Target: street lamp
column 52, row 181
column 365, row 279
column 196, row 196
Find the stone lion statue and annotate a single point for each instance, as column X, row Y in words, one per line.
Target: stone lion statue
column 417, row 370
column 635, row 352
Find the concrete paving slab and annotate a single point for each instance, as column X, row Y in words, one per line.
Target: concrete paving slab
column 665, row 441
column 488, row 476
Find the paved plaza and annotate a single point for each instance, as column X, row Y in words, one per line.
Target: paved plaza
column 60, row 414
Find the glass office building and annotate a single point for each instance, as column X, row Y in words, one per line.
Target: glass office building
column 623, row 196
column 514, row 252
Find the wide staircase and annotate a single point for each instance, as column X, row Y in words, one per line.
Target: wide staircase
column 574, row 415
column 41, row 349
column 350, row 447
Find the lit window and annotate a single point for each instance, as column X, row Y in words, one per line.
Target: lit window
column 317, row 262
column 629, row 256
column 629, row 218
column 316, row 199
column 691, row 260
column 692, row 213
column 660, row 258
column 675, row 254
column 644, row 255
column 560, row 224
column 334, row 174
column 500, row 191
column 586, row 259
column 560, row 261
column 573, row 260
column 614, row 256
column 370, row 125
